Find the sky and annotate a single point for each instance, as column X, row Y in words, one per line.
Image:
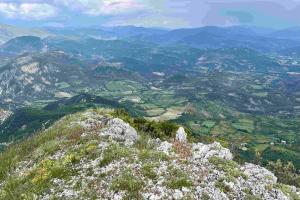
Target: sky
column 150, row 13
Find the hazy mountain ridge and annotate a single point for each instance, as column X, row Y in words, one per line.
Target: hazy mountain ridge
column 8, row 32
column 204, row 37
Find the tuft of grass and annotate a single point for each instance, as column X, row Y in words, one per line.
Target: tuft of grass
column 178, row 179
column 288, row 191
column 72, row 158
column 147, row 155
column 230, row 167
column 143, row 142
column 252, row 197
column 222, row 186
column 205, row 196
column 148, row 171
column 114, row 152
column 49, row 147
column 129, row 183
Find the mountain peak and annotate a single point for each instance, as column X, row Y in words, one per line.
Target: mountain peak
column 96, row 155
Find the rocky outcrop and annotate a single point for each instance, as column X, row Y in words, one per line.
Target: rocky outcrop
column 110, row 160
column 181, row 135
column 203, row 151
column 4, row 114
column 118, row 129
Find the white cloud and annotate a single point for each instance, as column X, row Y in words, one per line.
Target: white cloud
column 30, row 11
column 102, row 7
column 149, row 20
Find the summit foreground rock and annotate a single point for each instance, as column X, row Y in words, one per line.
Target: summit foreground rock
column 96, row 156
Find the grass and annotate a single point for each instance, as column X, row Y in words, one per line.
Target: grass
column 147, row 155
column 178, row 179
column 115, row 152
column 121, row 86
column 36, row 148
column 287, row 190
column 129, row 183
column 230, row 167
column 222, row 186
column 208, row 124
column 155, row 112
column 245, row 125
column 37, row 180
column 148, row 170
column 45, row 143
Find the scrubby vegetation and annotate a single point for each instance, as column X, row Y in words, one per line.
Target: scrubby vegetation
column 115, row 152
column 162, row 130
column 285, row 172
column 72, row 158
column 229, row 167
column 62, row 136
column 129, row 183
column 178, row 179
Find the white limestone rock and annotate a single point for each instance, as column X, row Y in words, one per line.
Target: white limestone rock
column 165, row 147
column 258, row 174
column 177, row 194
column 205, row 151
column 181, row 135
column 120, row 130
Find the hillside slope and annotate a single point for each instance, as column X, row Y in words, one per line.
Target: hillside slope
column 8, row 32
column 95, row 155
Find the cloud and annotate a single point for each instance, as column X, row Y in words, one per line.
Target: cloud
column 167, row 13
column 268, row 13
column 27, row 11
column 102, row 7
column 242, row 17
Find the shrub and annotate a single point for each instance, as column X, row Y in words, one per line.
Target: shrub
column 286, row 173
column 162, row 130
column 287, row 190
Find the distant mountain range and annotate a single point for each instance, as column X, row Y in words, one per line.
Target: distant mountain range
column 8, row 32
column 205, row 37
column 217, row 37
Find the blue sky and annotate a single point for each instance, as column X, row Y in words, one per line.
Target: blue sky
column 151, row 13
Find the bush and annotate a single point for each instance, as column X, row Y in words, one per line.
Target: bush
column 286, row 173
column 162, row 130
column 287, row 190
